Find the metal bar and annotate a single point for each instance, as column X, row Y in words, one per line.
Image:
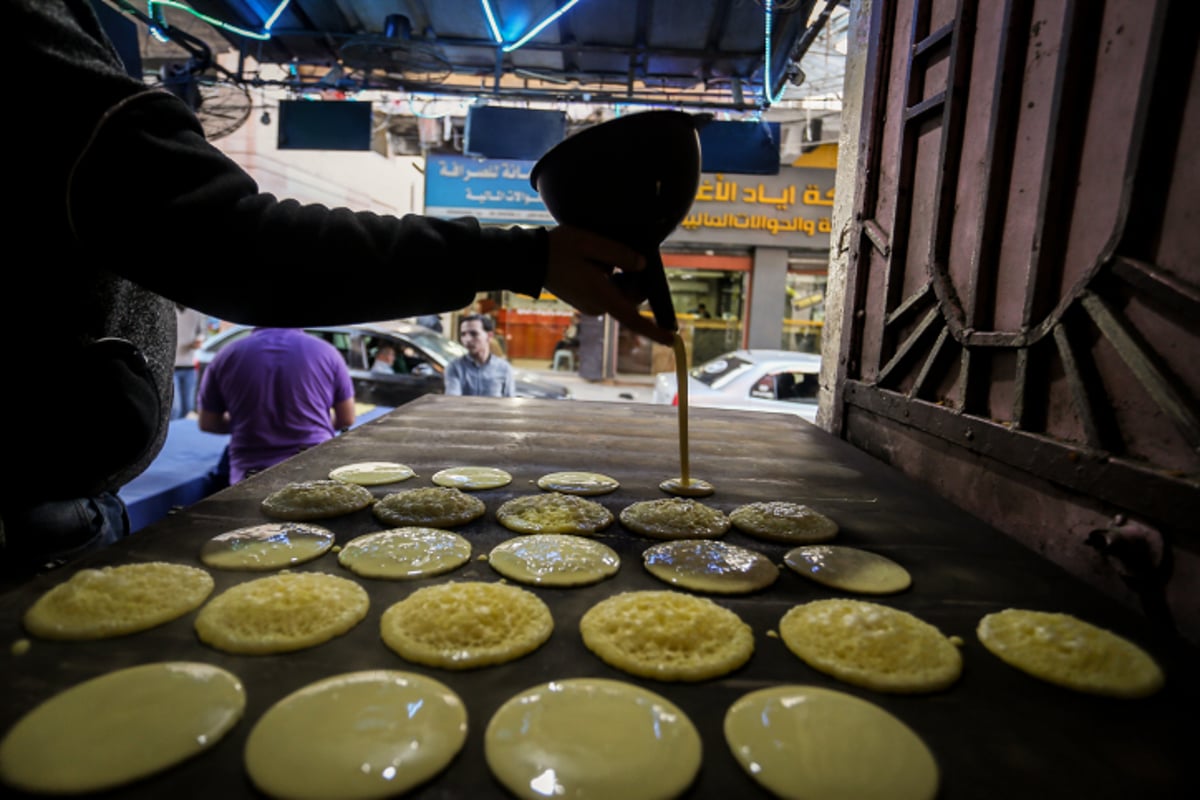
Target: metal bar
column 924, row 108
column 878, row 238
column 1077, row 386
column 1173, row 403
column 1152, row 282
column 933, row 40
column 913, row 299
column 906, row 347
column 935, row 352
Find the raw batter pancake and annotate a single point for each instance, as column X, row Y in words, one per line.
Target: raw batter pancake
column 115, row 601
column 704, row 565
column 667, row 636
column 581, row 483
column 264, row 547
column 1066, row 651
column 780, row 521
column 692, row 487
column 472, row 478
column 412, row 552
column 592, row 738
column 372, row 473
column 281, row 613
column 466, row 625
column 554, row 512
column 807, row 742
column 356, row 736
column 675, row 518
column 305, row 500
column 848, row 569
column 430, row 507
column 120, row 727
column 871, row 645
column 554, row 559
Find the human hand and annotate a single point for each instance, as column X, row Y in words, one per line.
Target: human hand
column 582, row 272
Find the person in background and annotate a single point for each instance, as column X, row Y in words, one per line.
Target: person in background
column 385, row 360
column 189, row 335
column 275, row 392
column 120, row 145
column 480, row 371
column 702, row 311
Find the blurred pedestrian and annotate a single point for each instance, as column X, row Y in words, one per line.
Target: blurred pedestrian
column 480, row 371
column 190, row 326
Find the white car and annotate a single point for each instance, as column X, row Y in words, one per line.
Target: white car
column 778, row 381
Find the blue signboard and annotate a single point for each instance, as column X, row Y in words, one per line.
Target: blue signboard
column 491, row 190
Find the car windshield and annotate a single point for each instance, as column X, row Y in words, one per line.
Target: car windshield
column 720, row 370
column 442, row 349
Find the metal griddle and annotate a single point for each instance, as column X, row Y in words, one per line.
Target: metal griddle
column 996, row 733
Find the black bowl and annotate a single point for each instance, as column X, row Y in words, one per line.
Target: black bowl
column 632, row 179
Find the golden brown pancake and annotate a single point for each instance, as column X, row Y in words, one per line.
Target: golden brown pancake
column 307, row 500
column 675, row 518
column 780, row 521
column 429, row 507
column 554, row 512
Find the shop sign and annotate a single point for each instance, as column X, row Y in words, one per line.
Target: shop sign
column 491, row 190
column 791, row 209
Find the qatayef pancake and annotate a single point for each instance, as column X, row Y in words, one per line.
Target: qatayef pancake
column 115, row 601
column 704, row 565
column 120, row 727
column 430, row 507
column 779, row 521
column 1069, row 652
column 554, row 559
column 372, row 473
column 281, row 613
column 356, row 736
column 412, row 552
column 472, row 478
column 848, row 569
column 305, row 500
column 554, row 512
column 581, row 483
column 870, row 645
column 675, row 518
column 266, row 547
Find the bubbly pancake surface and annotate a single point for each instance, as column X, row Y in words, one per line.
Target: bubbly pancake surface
column 675, row 518
column 412, row 552
column 554, row 512
column 781, row 521
column 372, row 473
column 1066, row 651
column 704, row 565
column 115, row 601
column 581, row 483
column 848, row 569
column 809, row 742
column 592, row 738
column 430, row 506
column 264, row 547
column 306, row 500
column 120, row 727
column 466, row 625
column 472, row 478
column 355, row 736
column 667, row 635
column 281, row 613
column 871, row 645
column 554, row 559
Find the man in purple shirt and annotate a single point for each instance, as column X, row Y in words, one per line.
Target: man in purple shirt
column 276, row 392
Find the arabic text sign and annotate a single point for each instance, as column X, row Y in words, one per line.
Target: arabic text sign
column 791, row 209
column 491, row 190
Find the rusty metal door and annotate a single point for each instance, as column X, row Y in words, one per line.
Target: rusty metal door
column 1022, row 307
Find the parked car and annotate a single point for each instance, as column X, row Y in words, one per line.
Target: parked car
column 421, row 358
column 779, row 381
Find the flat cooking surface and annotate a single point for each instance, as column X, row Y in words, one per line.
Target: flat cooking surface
column 996, row 733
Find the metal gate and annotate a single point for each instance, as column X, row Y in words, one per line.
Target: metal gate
column 1022, row 305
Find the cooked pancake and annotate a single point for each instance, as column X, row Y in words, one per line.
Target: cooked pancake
column 305, row 500
column 667, row 636
column 430, row 507
column 412, row 552
column 692, row 487
column 466, row 625
column 281, row 613
column 356, row 736
column 120, row 727
column 675, row 518
column 809, row 742
column 581, row 483
column 848, row 569
column 703, row 565
column 870, row 645
column 592, row 737
column 372, row 473
column 472, row 478
column 554, row 559
column 263, row 547
column 1066, row 651
column 554, row 512
column 780, row 521
column 115, row 601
